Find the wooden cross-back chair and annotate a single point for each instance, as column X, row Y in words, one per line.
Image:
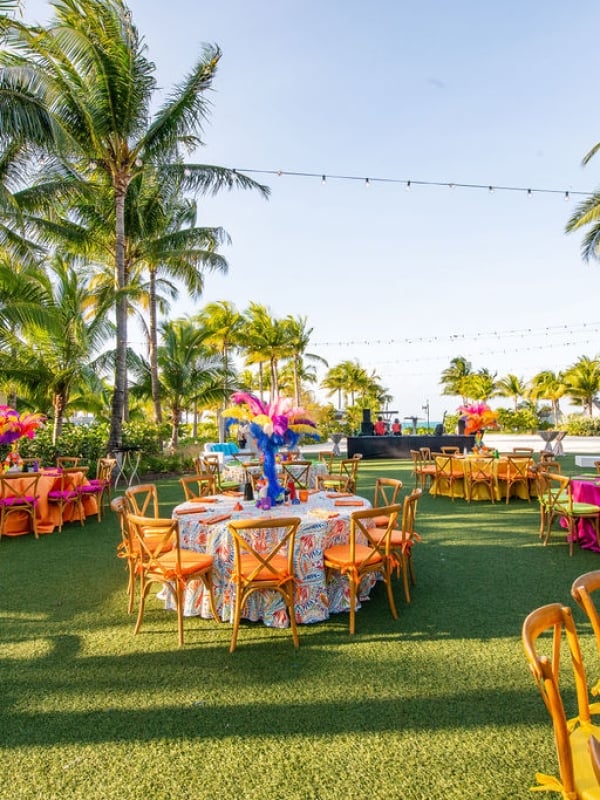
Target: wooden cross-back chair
column 423, row 469
column 544, row 630
column 582, row 590
column 386, row 494
column 68, row 494
column 263, row 560
column 162, row 560
column 100, row 486
column 518, row 471
column 367, row 551
column 342, row 481
column 195, row 487
column 143, row 500
column 558, row 503
column 19, row 495
column 68, row 461
column 297, row 472
column 448, row 472
column 403, row 539
column 481, row 471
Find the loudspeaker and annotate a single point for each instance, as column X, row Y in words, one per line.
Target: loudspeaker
column 366, row 428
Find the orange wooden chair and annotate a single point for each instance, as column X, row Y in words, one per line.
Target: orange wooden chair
column 143, row 500
column 19, row 495
column 67, row 495
column 448, row 473
column 559, row 503
column 481, row 471
column 423, row 467
column 162, row 560
column 263, row 559
column 518, row 471
column 99, row 487
column 403, row 539
column 367, row 551
column 544, row 630
column 342, row 481
column 68, row 461
column 195, row 487
column 297, row 472
column 386, row 494
column 582, row 590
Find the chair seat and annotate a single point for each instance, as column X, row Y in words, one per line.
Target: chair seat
column 381, row 521
column 248, row 563
column 427, row 470
column 67, row 494
column 190, row 562
column 585, row 508
column 93, row 486
column 399, row 539
column 340, row 554
column 26, row 500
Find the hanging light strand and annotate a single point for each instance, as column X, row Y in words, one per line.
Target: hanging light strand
column 408, row 183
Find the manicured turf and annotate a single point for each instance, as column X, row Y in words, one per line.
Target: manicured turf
column 438, row 704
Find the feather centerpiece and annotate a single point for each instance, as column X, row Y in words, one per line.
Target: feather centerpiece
column 478, row 417
column 272, row 425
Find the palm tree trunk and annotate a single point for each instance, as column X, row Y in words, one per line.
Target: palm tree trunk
column 115, row 437
column 296, row 382
column 153, row 349
column 59, row 404
column 261, row 383
column 274, row 379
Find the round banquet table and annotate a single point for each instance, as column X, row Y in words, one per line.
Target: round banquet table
column 46, row 512
column 323, row 524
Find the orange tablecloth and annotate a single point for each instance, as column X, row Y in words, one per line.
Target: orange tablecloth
column 46, row 512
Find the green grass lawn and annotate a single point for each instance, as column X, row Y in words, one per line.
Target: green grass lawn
column 437, row 704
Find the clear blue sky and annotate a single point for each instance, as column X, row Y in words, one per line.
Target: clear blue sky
column 463, row 92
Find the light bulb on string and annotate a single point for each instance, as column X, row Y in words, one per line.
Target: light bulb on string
column 367, row 184
column 408, row 186
column 323, row 179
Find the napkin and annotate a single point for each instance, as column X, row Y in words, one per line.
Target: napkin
column 194, row 510
column 231, row 493
column 323, row 513
column 348, row 503
column 215, row 518
column 333, row 495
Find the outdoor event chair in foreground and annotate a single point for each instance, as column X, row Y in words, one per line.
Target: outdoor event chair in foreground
column 543, row 632
column 263, row 559
column 581, row 591
column 354, row 560
column 386, row 494
column 19, row 496
column 403, row 539
column 161, row 560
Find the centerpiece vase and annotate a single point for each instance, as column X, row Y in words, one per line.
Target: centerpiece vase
column 274, row 488
column 478, row 439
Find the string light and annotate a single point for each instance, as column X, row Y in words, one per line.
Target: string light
column 408, row 184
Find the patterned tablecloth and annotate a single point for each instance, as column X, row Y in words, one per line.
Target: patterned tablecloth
column 234, row 473
column 323, row 524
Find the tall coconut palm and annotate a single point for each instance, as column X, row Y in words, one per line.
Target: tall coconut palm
column 88, row 67
column 480, row 385
column 582, row 381
column 511, row 386
column 335, row 381
column 453, row 377
column 264, row 340
column 298, row 338
column 549, row 385
column 49, row 359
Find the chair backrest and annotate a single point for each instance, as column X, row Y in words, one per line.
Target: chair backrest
column 67, row 461
column 104, row 469
column 70, row 477
column 597, row 465
column 409, row 514
column 444, row 465
column 260, row 544
column 154, row 537
column 425, row 453
column 480, row 469
column 581, row 591
column 543, row 656
column 143, row 500
column 362, row 533
column 557, row 492
column 386, row 492
column 517, row 467
column 527, row 451
column 253, row 471
column 119, row 506
column 450, row 450
column 197, row 486
column 349, row 468
column 297, row 472
column 22, row 487
column 327, row 457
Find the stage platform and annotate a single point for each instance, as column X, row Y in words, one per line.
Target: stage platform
column 400, row 446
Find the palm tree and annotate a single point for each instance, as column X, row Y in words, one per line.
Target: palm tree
column 264, row 340
column 453, row 378
column 223, row 324
column 335, row 381
column 548, row 385
column 511, row 386
column 50, row 359
column 587, row 215
column 582, row 381
column 188, row 372
column 298, row 339
column 480, row 385
column 89, row 69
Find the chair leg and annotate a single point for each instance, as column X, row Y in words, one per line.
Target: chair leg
column 353, row 592
column 206, row 580
column 144, row 587
column 288, row 595
column 390, row 592
column 237, row 612
column 178, row 590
